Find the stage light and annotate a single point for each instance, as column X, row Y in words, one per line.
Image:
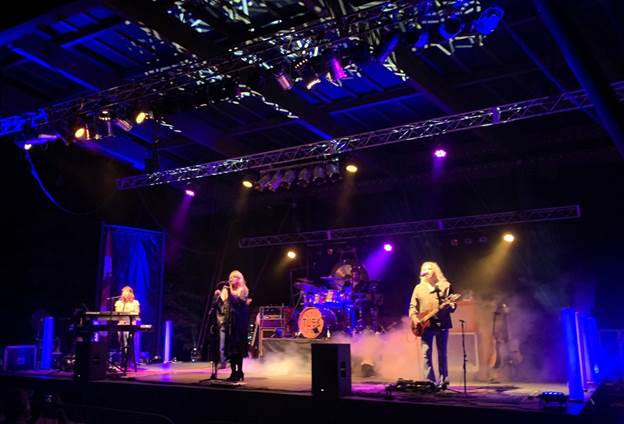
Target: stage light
column 82, row 133
column 351, row 168
column 440, row 153
column 483, row 239
column 508, row 237
column 291, row 254
column 27, row 146
column 247, row 184
column 318, row 175
column 451, row 27
column 454, row 242
column 287, row 179
column 304, row 177
column 386, row 47
column 333, row 172
column 276, row 181
column 104, row 125
column 467, row 241
column 417, row 37
column 488, row 20
column 388, row 247
column 334, row 64
column 263, row 182
column 189, row 192
column 283, row 80
column 141, row 116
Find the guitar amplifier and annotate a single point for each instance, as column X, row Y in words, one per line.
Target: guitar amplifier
column 275, row 316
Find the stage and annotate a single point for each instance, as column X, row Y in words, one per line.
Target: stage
column 183, row 393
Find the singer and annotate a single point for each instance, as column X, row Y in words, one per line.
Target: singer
column 127, row 303
column 228, row 325
column 429, row 295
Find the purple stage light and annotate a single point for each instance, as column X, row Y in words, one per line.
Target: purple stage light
column 440, row 153
column 388, row 247
column 189, row 192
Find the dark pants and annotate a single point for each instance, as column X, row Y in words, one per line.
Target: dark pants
column 441, row 340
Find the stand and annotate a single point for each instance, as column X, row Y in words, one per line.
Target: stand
column 462, row 322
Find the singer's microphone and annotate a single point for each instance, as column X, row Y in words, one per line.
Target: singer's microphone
column 113, row 297
column 423, row 274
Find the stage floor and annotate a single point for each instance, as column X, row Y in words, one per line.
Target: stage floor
column 263, row 377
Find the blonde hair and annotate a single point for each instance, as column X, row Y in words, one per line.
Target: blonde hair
column 242, row 291
column 436, row 271
column 130, row 296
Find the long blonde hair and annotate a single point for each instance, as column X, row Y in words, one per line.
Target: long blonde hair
column 129, row 297
column 242, row 291
column 437, row 271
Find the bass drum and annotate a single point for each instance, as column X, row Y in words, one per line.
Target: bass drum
column 316, row 322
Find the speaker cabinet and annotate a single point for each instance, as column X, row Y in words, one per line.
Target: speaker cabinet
column 91, row 361
column 18, row 358
column 331, row 369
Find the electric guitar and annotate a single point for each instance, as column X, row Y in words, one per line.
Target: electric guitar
column 425, row 318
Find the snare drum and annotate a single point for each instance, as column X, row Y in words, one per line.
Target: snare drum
column 316, row 322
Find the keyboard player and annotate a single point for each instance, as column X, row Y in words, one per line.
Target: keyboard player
column 127, row 303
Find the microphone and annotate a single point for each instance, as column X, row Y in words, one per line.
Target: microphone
column 423, row 274
column 113, row 297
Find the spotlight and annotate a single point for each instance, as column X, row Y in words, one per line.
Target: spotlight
column 351, row 168
column 386, row 47
column 467, row 241
column 440, row 153
column 291, row 254
column 454, row 242
column 333, row 172
column 276, row 181
column 247, row 184
column 417, row 37
column 304, row 177
column 451, row 27
column 388, row 247
column 27, row 146
column 483, row 239
column 334, row 64
column 508, row 237
column 283, row 79
column 263, row 182
column 287, row 179
column 189, row 192
column 318, row 175
column 488, row 20
column 141, row 115
column 104, row 125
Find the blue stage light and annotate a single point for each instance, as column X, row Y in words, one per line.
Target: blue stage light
column 451, row 27
column 488, row 20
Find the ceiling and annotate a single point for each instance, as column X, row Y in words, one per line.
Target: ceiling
column 107, row 50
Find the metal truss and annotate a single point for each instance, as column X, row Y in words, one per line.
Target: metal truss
column 496, row 115
column 191, row 74
column 414, row 227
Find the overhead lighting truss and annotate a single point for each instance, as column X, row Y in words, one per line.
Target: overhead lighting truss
column 304, row 41
column 415, row 227
column 496, row 115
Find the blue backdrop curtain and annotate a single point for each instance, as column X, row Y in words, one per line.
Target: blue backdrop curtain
column 134, row 257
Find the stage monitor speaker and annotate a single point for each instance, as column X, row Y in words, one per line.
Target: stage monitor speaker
column 91, row 361
column 331, row 369
column 18, row 358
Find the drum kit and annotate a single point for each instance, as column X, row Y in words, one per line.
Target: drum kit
column 341, row 304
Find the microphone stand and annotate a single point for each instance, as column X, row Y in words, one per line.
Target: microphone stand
column 464, row 352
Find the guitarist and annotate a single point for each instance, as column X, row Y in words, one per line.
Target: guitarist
column 429, row 295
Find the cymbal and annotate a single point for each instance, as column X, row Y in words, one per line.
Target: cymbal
column 305, row 287
column 331, row 278
column 305, row 280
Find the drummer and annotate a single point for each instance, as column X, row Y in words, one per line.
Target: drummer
column 357, row 279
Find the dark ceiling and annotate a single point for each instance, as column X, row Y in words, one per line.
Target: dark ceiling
column 74, row 50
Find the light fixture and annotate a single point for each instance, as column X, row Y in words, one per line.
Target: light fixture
column 276, row 181
column 263, row 182
column 189, row 192
column 508, row 237
column 247, row 184
column 388, row 247
column 104, row 125
column 451, row 27
column 333, row 172
column 387, row 46
column 303, row 180
column 291, row 254
column 287, row 179
column 440, row 153
column 488, row 20
column 351, row 168
column 283, row 80
column 318, row 175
